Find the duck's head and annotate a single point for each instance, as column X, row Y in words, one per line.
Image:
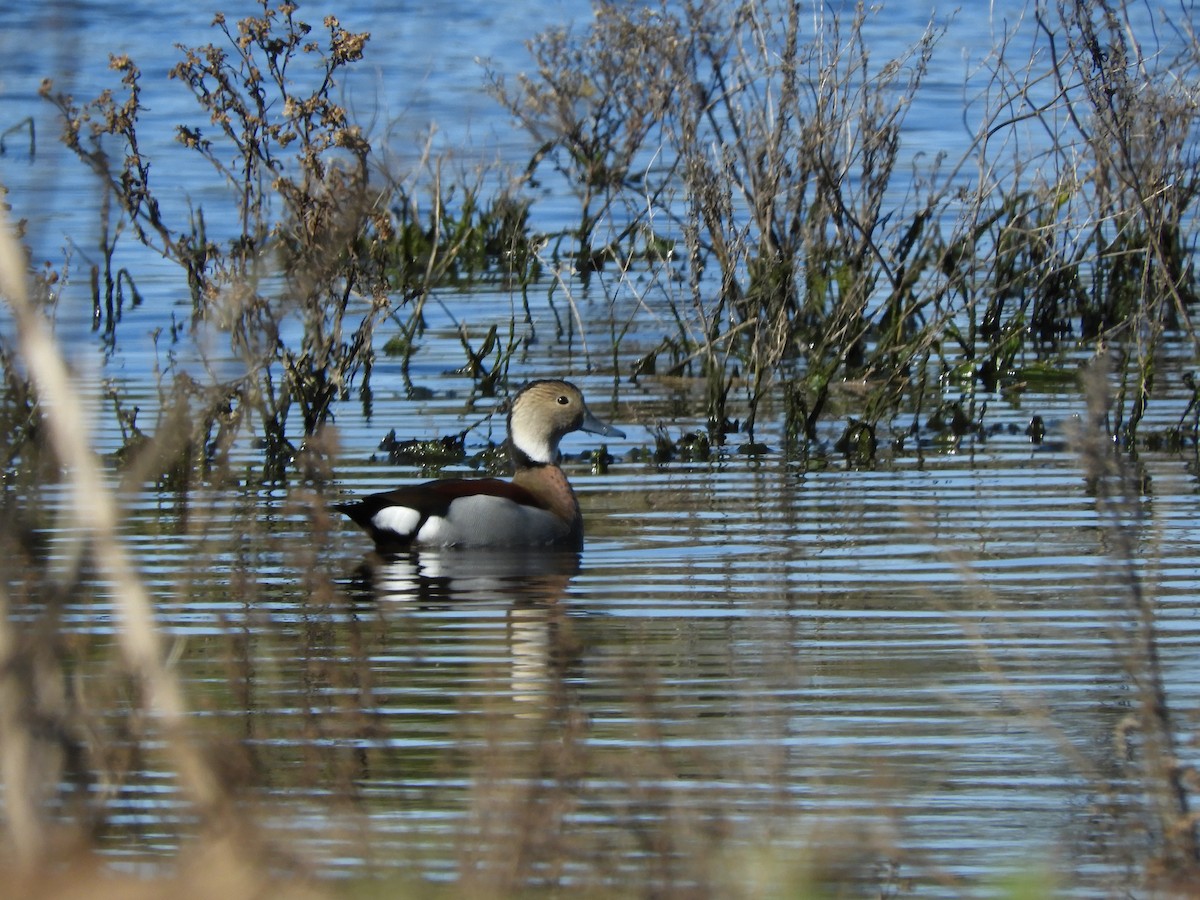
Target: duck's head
column 544, row 411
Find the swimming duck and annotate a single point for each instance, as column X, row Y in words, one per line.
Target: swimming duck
column 536, row 508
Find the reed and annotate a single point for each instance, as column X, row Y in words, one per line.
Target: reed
column 44, row 743
column 1147, row 739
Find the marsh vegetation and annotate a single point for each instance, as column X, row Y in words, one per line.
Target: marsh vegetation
column 744, row 216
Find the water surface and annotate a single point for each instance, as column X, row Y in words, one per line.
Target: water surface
column 763, row 668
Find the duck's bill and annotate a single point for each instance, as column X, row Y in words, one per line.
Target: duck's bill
column 592, row 425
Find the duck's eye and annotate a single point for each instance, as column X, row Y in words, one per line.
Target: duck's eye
column 563, row 400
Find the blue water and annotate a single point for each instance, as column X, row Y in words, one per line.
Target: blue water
column 757, row 667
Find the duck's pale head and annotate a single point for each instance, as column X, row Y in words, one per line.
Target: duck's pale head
column 543, row 413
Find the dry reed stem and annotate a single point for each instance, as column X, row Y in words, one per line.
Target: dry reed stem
column 25, row 825
column 17, row 748
column 95, row 511
column 1116, row 498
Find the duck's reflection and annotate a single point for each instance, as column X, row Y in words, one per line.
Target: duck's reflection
column 529, row 585
column 458, row 576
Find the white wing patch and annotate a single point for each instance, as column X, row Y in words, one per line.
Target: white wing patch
column 437, row 530
column 398, row 519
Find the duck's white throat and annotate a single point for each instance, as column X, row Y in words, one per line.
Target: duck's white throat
column 538, row 448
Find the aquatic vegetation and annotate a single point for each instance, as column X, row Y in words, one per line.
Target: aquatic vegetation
column 592, row 107
column 743, row 161
column 740, row 168
column 320, row 254
column 772, row 141
column 297, row 171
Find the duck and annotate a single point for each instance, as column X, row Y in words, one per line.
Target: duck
column 536, row 508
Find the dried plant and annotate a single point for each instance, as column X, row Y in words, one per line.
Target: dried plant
column 596, row 101
column 298, row 171
column 770, row 142
column 1085, row 241
column 1147, row 737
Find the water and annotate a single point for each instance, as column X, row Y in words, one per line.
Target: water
column 759, row 672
